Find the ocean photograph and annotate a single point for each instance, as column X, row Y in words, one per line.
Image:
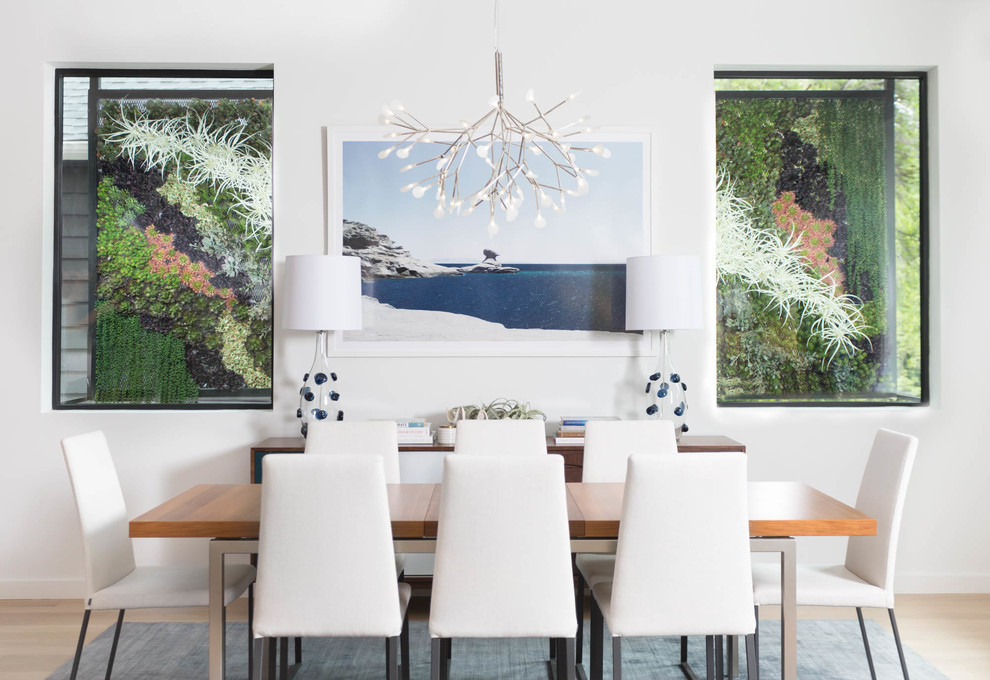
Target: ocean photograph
column 429, row 279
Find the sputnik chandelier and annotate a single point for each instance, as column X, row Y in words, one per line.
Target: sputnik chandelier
column 508, row 145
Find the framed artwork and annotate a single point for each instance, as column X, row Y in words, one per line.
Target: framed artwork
column 821, row 239
column 444, row 286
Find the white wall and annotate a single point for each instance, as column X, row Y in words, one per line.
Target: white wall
column 640, row 63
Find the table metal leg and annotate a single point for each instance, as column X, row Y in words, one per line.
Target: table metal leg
column 218, row 548
column 217, row 651
column 787, row 547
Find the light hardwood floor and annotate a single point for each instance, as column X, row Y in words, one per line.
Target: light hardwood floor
column 951, row 631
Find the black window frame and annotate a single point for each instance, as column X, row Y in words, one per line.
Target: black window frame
column 261, row 398
column 923, row 208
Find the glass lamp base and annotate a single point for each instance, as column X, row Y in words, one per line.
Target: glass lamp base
column 317, row 396
column 667, row 391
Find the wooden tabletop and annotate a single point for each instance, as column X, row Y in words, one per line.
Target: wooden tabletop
column 234, row 511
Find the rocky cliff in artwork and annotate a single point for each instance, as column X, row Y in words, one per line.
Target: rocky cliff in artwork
column 382, row 258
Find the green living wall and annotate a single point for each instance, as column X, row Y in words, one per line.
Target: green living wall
column 183, row 247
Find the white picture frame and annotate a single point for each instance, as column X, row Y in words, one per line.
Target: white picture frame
column 612, row 222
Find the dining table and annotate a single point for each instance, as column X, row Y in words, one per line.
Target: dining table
column 229, row 515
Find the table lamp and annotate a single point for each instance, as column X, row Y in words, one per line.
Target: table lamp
column 663, row 293
column 321, row 293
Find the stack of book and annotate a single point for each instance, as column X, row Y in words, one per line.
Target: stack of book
column 571, row 429
column 414, row 431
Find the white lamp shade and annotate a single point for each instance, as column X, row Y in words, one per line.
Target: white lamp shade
column 322, row 293
column 663, row 292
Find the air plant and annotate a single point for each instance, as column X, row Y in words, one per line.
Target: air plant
column 499, row 409
column 220, row 157
column 766, row 264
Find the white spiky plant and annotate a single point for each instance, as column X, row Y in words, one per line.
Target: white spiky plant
column 221, row 157
column 766, row 264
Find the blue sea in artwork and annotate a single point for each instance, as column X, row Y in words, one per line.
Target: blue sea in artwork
column 547, row 296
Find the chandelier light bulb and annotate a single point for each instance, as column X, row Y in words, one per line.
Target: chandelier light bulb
column 408, row 187
column 508, row 145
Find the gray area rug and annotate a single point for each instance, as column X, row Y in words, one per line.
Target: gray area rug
column 827, row 650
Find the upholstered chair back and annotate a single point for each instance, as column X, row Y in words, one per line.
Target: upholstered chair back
column 358, row 436
column 325, row 555
column 501, row 437
column 682, row 565
column 107, row 549
column 503, row 557
column 881, row 495
column 609, row 443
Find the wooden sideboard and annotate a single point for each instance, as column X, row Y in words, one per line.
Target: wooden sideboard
column 573, row 454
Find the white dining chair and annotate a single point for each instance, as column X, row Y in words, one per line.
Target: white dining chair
column 501, row 437
column 682, row 563
column 607, row 447
column 490, row 583
column 325, row 557
column 373, row 437
column 358, row 436
column 113, row 581
column 866, row 578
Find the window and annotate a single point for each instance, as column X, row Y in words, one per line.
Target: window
column 821, row 223
column 163, row 217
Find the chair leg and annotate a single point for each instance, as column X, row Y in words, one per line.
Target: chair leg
column 710, row 657
column 298, row 650
column 897, row 639
column 436, row 651
column 719, row 663
column 79, row 645
column 272, row 656
column 684, row 645
column 113, row 647
column 553, row 648
column 283, row 658
column 616, row 658
column 866, row 642
column 392, row 658
column 597, row 641
column 579, row 608
column 404, row 645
